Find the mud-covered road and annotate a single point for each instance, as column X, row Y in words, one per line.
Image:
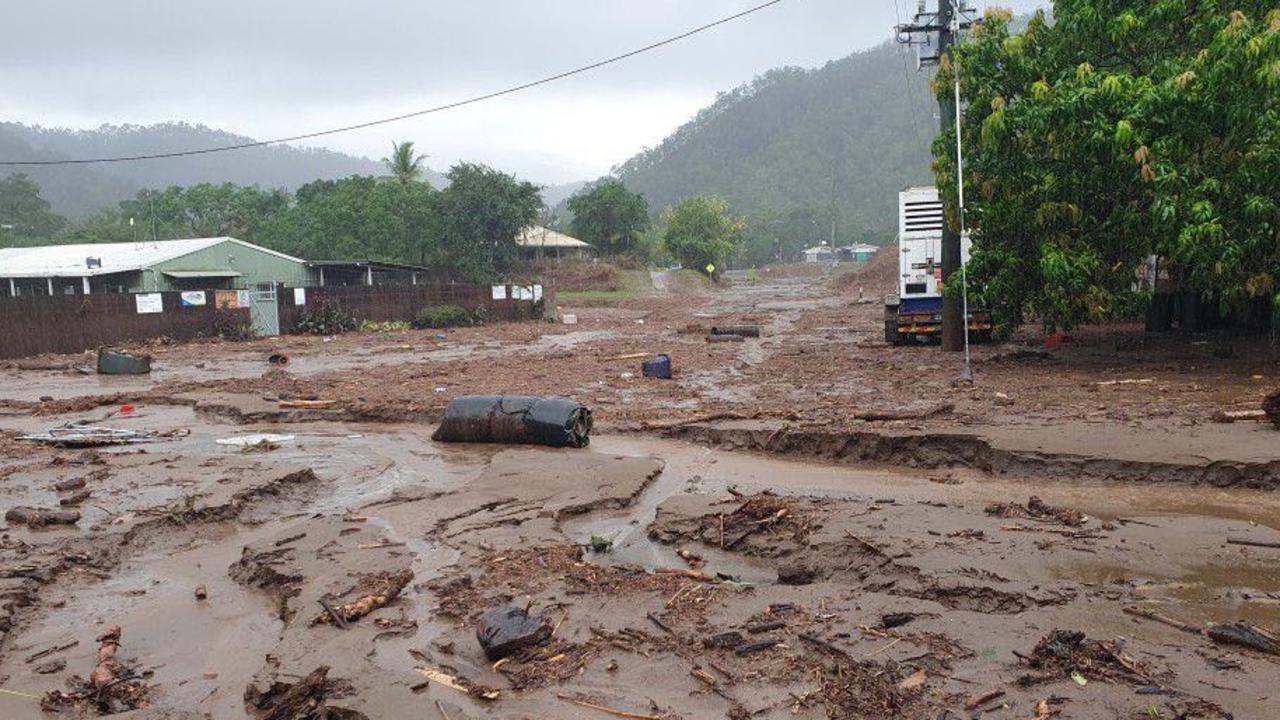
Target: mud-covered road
column 734, row 543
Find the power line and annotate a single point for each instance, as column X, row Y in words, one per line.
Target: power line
column 417, row 113
column 906, row 78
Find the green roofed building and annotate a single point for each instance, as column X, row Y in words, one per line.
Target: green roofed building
column 194, row 264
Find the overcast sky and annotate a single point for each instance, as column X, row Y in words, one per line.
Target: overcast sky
column 267, row 68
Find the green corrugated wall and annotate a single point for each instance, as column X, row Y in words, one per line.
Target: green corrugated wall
column 255, row 266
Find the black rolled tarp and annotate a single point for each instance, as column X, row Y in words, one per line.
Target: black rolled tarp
column 516, row 420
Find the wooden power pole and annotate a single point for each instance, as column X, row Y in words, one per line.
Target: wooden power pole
column 936, row 32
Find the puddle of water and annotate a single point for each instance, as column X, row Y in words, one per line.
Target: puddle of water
column 1213, row 592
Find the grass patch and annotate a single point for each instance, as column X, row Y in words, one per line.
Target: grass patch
column 632, row 284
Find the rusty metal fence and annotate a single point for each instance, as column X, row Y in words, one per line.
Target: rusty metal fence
column 74, row 323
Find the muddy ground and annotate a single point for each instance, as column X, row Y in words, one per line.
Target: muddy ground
column 746, row 540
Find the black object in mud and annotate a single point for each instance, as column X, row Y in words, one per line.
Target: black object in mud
column 517, row 420
column 504, row 631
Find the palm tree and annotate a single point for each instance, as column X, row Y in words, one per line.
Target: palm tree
column 404, row 164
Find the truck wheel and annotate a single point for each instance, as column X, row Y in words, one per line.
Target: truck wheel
column 891, row 334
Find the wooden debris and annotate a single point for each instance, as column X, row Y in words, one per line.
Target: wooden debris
column 460, row 684
column 980, row 700
column 1253, row 543
column 1232, row 416
column 380, row 589
column 608, row 710
column 307, row 404
column 37, row 517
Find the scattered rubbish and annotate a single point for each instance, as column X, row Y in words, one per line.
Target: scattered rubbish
column 1271, row 406
column 257, row 440
column 115, row 362
column 1232, row 416
column 75, row 499
column 503, row 631
column 979, row 700
column 303, row 700
column 889, row 621
column 51, row 650
column 37, row 517
column 569, row 319
column 725, row 338
column 627, row 356
column 745, row 331
column 112, row 688
column 375, row 591
column 50, row 667
column 1037, row 509
column 78, row 435
column 278, row 359
column 1069, row 653
column 126, row 410
column 766, row 627
column 1125, row 381
column 1253, row 543
column 659, row 367
column 69, row 485
column 455, row 682
column 607, row 710
column 202, row 593
column 1245, row 635
column 627, row 375
column 750, row 648
column 922, row 414
column 307, row 404
column 724, row 640
column 515, row 419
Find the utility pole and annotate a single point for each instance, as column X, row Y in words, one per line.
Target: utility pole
column 940, row 29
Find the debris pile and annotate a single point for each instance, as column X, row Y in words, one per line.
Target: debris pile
column 1036, row 509
column 112, row 688
column 375, row 591
column 1271, row 406
column 307, row 699
column 1069, row 654
column 782, row 524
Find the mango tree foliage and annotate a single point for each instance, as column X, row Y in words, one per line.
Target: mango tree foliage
column 1118, row 131
column 700, row 231
column 609, row 216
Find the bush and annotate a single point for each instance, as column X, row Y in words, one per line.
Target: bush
column 325, row 319
column 371, row 326
column 228, row 325
column 443, row 316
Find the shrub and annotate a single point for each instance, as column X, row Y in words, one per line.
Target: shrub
column 371, row 326
column 228, row 325
column 443, row 316
column 325, row 319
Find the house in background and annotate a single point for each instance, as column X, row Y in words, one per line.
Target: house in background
column 819, row 254
column 537, row 243
column 328, row 273
column 859, row 252
column 194, row 264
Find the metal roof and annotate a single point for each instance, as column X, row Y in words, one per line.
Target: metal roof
column 202, row 273
column 361, row 264
column 538, row 236
column 108, row 258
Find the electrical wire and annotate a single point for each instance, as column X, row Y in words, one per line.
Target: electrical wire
column 417, row 113
column 906, row 78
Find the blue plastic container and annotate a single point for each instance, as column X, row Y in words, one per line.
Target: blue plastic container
column 659, row 367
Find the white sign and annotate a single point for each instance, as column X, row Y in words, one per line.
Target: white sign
column 193, row 298
column 244, row 299
column 499, row 292
column 524, row 292
column 537, row 293
column 149, row 303
column 299, row 296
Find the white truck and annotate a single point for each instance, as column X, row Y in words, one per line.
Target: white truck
column 915, row 311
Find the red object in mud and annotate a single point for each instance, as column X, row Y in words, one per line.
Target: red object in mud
column 127, row 409
column 1058, row 339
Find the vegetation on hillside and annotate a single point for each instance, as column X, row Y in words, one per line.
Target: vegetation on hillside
column 798, row 149
column 1120, row 131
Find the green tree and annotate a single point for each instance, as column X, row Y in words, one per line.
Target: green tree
column 610, row 217
column 700, row 231
column 1119, row 131
column 404, row 164
column 24, row 212
column 479, row 215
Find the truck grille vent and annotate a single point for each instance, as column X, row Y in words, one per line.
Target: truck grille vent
column 922, row 216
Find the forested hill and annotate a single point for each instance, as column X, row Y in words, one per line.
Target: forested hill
column 78, row 190
column 793, row 141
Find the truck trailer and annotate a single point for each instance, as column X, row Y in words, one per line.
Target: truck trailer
column 914, row 312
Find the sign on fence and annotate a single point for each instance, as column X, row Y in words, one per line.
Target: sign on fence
column 299, row 296
column 149, row 303
column 193, row 298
